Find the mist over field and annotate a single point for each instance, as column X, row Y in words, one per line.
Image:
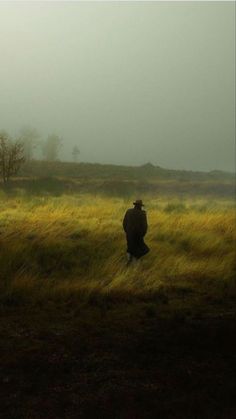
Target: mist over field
column 128, row 83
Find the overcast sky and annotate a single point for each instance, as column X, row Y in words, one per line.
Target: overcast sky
column 129, row 83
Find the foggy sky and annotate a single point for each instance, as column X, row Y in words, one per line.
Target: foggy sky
column 129, row 83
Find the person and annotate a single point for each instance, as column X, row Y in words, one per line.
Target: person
column 135, row 227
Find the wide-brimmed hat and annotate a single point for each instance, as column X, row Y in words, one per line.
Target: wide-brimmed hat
column 138, row 202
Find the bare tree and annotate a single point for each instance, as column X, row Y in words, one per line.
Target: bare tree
column 51, row 147
column 11, row 156
column 29, row 137
column 75, row 153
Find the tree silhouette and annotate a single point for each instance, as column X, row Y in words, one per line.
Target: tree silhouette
column 75, row 154
column 11, row 156
column 29, row 137
column 51, row 147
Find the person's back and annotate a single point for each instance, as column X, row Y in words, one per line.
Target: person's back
column 135, row 221
column 135, row 227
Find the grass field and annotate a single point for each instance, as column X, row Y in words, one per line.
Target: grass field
column 62, row 247
column 85, row 336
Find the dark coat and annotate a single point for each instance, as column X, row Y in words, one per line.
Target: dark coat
column 135, row 227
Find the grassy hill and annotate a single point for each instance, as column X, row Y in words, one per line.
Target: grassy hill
column 57, row 178
column 107, row 171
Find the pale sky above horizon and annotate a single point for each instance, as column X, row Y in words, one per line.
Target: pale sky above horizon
column 128, row 82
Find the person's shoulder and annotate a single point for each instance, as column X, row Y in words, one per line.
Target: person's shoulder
column 128, row 211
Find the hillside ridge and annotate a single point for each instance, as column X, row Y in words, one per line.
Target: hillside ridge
column 148, row 170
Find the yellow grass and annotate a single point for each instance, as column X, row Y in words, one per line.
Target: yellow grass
column 73, row 246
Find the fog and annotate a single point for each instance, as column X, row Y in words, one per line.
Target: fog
column 128, row 83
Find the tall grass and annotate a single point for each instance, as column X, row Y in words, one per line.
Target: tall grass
column 73, row 247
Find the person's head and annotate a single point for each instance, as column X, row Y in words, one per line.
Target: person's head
column 138, row 203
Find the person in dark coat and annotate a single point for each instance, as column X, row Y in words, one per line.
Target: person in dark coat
column 135, row 226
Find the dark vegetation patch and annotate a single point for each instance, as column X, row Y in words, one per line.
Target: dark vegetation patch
column 57, row 178
column 88, row 171
column 53, row 186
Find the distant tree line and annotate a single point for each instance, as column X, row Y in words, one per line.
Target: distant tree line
column 15, row 152
column 50, row 147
